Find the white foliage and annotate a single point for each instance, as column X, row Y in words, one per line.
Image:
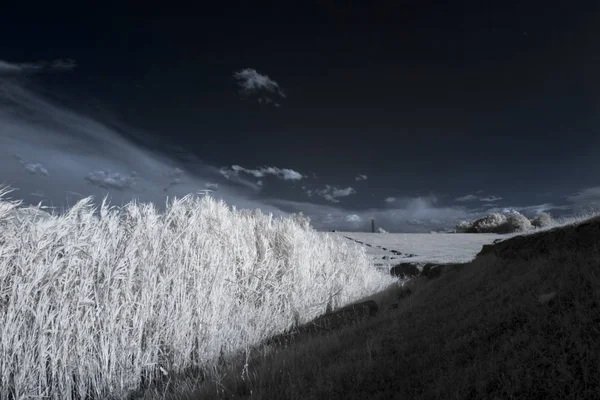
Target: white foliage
column 137, row 293
column 542, row 220
column 517, row 222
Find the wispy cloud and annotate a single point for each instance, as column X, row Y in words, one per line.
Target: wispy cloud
column 390, row 199
column 471, row 197
column 174, row 177
column 490, row 198
column 7, row 68
column 585, row 199
column 63, row 65
column 468, row 197
column 282, row 173
column 112, row 180
column 591, row 195
column 361, row 177
column 212, row 186
column 85, row 157
column 32, row 168
column 353, row 218
column 253, row 83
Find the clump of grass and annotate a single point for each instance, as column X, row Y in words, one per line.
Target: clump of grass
column 101, row 306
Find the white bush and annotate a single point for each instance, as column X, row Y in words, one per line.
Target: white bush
column 463, row 227
column 381, row 230
column 496, row 223
column 493, row 223
column 301, row 219
column 542, row 220
column 517, row 222
column 106, row 301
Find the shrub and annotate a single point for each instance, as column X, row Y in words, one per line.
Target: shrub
column 517, row 222
column 301, row 220
column 542, row 220
column 381, row 230
column 493, row 223
column 464, row 227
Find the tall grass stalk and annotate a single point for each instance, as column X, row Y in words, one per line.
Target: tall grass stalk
column 99, row 305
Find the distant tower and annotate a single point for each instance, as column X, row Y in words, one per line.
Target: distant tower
column 372, row 225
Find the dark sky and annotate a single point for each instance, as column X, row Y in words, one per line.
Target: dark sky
column 431, row 101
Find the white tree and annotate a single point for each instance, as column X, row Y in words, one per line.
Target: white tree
column 542, row 220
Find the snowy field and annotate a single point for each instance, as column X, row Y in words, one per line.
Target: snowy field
column 426, row 247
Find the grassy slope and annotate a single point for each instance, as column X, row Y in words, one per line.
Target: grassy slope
column 478, row 331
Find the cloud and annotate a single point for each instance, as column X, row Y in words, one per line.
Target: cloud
column 88, row 158
column 282, row 173
column 585, row 200
column 111, row 180
column 32, row 168
column 212, row 186
column 63, row 65
column 414, row 214
column 471, row 197
column 490, row 198
column 361, row 177
column 174, row 176
column 7, row 68
column 468, row 197
column 390, row 199
column 353, row 218
column 253, row 83
column 332, row 194
column 589, row 195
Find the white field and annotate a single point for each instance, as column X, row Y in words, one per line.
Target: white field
column 439, row 247
column 428, row 247
column 90, row 304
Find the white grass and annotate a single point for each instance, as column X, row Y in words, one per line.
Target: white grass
column 89, row 305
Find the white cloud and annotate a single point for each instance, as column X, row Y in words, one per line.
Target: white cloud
column 259, row 183
column 7, row 68
column 89, row 158
column 490, row 198
column 353, row 218
column 468, row 197
column 174, row 176
column 111, row 180
column 282, row 173
column 331, row 193
column 471, row 197
column 251, row 82
column 360, row 177
column 588, row 195
column 32, row 168
column 390, row 199
column 342, row 192
column 63, row 65
column 212, row 186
